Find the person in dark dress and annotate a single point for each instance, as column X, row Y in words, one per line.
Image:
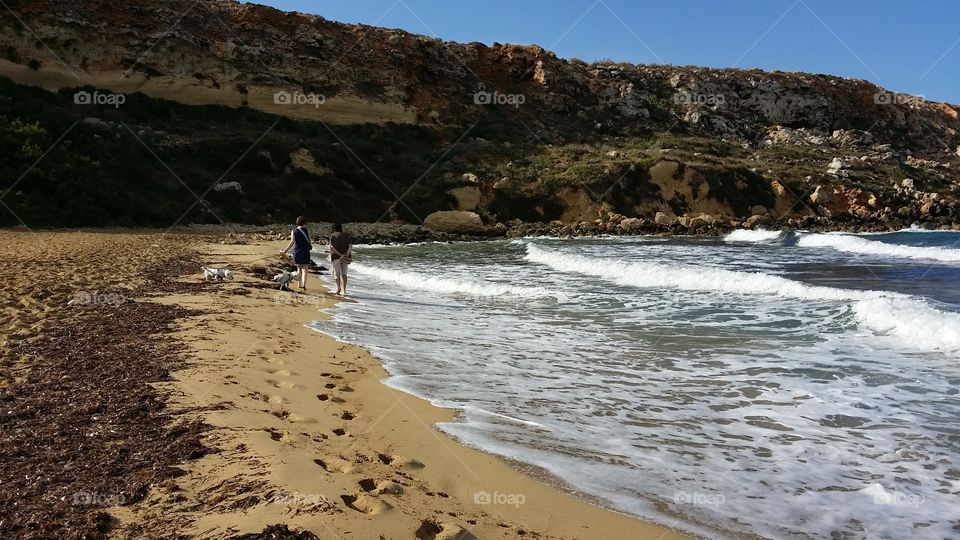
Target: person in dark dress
column 300, row 242
column 341, row 251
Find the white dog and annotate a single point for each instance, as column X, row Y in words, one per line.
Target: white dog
column 284, row 278
column 218, row 274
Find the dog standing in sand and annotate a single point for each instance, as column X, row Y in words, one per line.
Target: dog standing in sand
column 284, row 278
column 216, row 274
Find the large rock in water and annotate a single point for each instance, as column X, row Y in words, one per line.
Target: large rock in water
column 451, row 221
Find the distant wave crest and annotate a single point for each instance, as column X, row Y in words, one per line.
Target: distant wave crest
column 854, row 244
column 910, row 319
column 753, row 236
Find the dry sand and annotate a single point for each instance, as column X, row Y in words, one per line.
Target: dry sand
column 303, row 431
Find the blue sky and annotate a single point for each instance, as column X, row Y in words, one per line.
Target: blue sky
column 905, row 46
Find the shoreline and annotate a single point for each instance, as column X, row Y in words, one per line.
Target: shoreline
column 352, row 456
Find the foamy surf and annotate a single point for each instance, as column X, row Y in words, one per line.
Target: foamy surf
column 752, row 236
column 835, row 406
column 853, row 244
column 909, row 319
column 432, row 283
column 716, row 280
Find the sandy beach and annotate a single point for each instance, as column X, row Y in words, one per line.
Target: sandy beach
column 257, row 424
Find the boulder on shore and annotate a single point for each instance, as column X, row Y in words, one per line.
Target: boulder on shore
column 452, row 221
column 664, row 219
column 631, row 224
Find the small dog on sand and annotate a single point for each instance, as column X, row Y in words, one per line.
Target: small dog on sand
column 284, row 278
column 217, row 274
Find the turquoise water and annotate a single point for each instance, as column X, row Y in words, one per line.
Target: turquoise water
column 790, row 385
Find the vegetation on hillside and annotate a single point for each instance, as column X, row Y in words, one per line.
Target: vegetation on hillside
column 152, row 162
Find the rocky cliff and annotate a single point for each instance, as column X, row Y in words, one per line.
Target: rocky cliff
column 399, row 125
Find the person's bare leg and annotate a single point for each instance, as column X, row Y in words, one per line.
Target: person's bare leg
column 303, row 278
column 344, row 283
column 338, row 278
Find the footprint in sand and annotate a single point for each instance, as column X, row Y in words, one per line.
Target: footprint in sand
column 280, row 372
column 340, row 432
column 431, row 529
column 277, row 400
column 297, row 419
column 286, row 385
column 335, row 465
column 279, row 436
column 384, row 486
column 275, row 361
column 399, row 461
column 365, row 503
column 347, row 415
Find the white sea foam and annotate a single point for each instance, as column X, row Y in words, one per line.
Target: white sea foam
column 711, row 380
column 645, row 274
column 909, row 319
column 854, row 244
column 754, row 236
column 425, row 282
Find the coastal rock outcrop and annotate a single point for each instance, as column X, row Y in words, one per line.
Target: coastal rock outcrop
column 504, row 131
column 452, row 221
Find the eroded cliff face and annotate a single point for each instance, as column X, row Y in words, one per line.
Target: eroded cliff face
column 739, row 139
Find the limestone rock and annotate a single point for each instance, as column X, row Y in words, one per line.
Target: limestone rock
column 837, row 167
column 820, row 196
column 631, row 224
column 664, row 219
column 454, row 221
column 754, row 221
column 852, row 137
column 468, row 197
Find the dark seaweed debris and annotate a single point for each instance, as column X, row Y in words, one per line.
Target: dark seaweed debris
column 86, row 430
column 278, row 532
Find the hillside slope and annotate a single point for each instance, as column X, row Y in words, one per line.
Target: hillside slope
column 263, row 114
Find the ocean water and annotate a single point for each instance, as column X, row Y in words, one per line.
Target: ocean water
column 785, row 384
